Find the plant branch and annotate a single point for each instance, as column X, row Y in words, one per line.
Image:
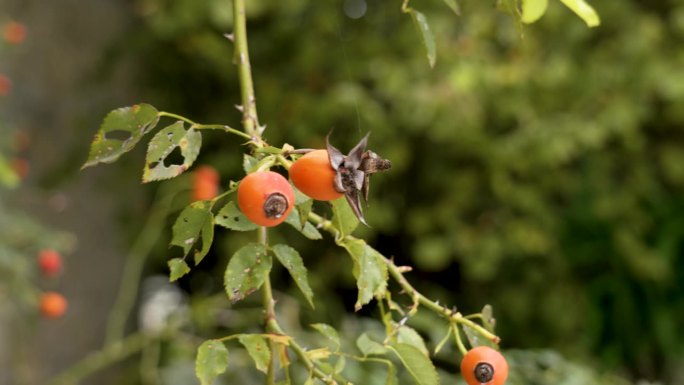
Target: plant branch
column 397, row 274
column 250, row 120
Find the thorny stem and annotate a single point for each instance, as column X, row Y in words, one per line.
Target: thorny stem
column 250, row 121
column 397, row 274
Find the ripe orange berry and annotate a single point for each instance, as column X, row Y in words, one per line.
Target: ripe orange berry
column 5, row 85
column 205, row 183
column 52, row 305
column 50, row 262
column 14, row 32
column 483, row 365
column 265, row 197
column 313, row 175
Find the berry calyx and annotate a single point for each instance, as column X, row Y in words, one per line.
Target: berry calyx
column 265, row 198
column 52, row 305
column 49, row 262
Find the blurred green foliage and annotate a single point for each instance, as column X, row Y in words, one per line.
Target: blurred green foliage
column 541, row 170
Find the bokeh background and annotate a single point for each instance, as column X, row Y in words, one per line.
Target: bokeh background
column 539, row 170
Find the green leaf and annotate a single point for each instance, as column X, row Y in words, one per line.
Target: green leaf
column 258, row 349
column 304, row 209
column 232, row 218
column 343, row 217
column 408, row 335
column 418, row 365
column 162, row 145
column 195, row 222
column 369, row 270
column 421, row 24
column 246, row 271
column 532, row 10
column 329, row 332
column 178, row 268
column 585, row 11
column 454, row 6
column 212, row 360
column 339, row 365
column 131, row 122
column 475, row 338
column 307, row 229
column 290, row 258
column 249, row 163
column 369, row 347
column 488, row 320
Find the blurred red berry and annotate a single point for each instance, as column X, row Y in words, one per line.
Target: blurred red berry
column 21, row 167
column 14, row 32
column 205, row 183
column 5, row 85
column 52, row 305
column 50, row 262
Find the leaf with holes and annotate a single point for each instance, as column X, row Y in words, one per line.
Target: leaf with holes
column 258, row 349
column 232, row 218
column 428, row 40
column 246, row 271
column 369, row 270
column 194, row 224
column 120, row 131
column 585, row 11
column 343, row 217
column 163, row 144
column 212, row 360
column 418, row 365
column 532, row 10
column 329, row 332
column 292, row 261
column 306, row 228
column 177, row 268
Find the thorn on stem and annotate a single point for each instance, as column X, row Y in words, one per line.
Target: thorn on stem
column 240, row 108
column 229, row 36
column 404, row 269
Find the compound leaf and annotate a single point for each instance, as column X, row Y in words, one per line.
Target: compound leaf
column 246, row 271
column 120, row 131
column 232, row 218
column 163, row 144
column 258, row 349
column 195, row 222
column 418, row 365
column 369, row 270
column 292, row 261
column 212, row 360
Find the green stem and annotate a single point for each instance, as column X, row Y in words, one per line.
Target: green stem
column 135, row 261
column 221, row 127
column 250, row 121
column 176, row 116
